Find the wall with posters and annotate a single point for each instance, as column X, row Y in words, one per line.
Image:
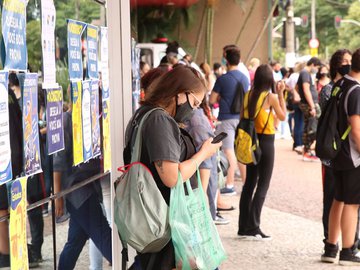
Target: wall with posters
column 43, row 117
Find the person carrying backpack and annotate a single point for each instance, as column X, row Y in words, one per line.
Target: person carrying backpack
column 259, row 103
column 339, row 66
column 224, row 93
column 165, row 148
column 344, row 210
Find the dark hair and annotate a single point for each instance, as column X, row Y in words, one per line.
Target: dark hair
column 216, row 66
column 355, row 61
column 13, row 79
column 272, row 63
column 315, row 61
column 173, row 47
column 151, row 76
column 284, row 71
column 263, row 81
column 180, row 79
column 336, row 61
column 232, row 56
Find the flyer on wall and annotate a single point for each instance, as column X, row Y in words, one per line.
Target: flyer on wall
column 95, row 121
column 104, row 52
column 5, row 152
column 17, row 226
column 76, row 97
column 48, row 20
column 74, row 32
column 54, row 115
column 106, row 134
column 29, row 87
column 92, row 51
column 86, row 121
column 13, row 24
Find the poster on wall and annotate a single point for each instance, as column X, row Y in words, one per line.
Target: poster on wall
column 95, row 121
column 76, row 97
column 17, row 226
column 74, row 32
column 92, row 51
column 104, row 52
column 48, row 20
column 29, row 87
column 106, row 134
column 54, row 115
column 13, row 24
column 5, row 152
column 86, row 120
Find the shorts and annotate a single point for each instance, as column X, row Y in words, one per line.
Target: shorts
column 228, row 126
column 4, row 204
column 347, row 186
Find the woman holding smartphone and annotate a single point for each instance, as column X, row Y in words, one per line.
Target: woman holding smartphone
column 261, row 104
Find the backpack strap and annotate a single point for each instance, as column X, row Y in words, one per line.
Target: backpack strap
column 347, row 131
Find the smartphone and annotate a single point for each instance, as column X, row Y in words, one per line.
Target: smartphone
column 219, row 137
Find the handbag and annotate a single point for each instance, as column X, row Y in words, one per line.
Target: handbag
column 196, row 241
column 247, row 148
column 140, row 211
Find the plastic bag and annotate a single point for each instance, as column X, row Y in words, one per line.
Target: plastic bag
column 196, row 240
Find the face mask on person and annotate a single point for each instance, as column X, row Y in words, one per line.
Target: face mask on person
column 322, row 75
column 314, row 70
column 344, row 69
column 184, row 111
column 223, row 61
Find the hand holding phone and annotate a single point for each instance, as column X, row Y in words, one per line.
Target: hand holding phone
column 219, row 137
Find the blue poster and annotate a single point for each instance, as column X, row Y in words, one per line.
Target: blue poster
column 86, row 120
column 13, row 23
column 5, row 153
column 95, row 118
column 29, row 87
column 92, row 51
column 75, row 30
column 54, row 117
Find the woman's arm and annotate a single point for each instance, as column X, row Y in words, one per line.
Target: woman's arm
column 168, row 170
column 278, row 101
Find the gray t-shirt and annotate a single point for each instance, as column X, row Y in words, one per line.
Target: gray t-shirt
column 305, row 77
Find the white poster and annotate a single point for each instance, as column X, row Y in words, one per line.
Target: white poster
column 86, row 121
column 48, row 15
column 104, row 51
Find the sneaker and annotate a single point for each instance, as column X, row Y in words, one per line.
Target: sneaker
column 4, row 261
column 349, row 256
column 310, row 157
column 330, row 252
column 219, row 220
column 228, row 191
column 258, row 235
column 33, row 259
column 45, row 212
column 299, row 149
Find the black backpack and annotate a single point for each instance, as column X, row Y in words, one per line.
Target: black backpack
column 237, row 102
column 328, row 137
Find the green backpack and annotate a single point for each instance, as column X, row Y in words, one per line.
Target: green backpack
column 140, row 211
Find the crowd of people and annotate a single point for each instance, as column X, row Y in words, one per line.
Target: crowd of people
column 281, row 101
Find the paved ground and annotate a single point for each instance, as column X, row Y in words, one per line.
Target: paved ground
column 292, row 216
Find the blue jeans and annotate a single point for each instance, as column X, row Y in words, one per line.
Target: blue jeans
column 298, row 126
column 86, row 222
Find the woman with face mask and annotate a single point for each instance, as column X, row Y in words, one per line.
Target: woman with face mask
column 166, row 148
column 262, row 105
column 322, row 77
column 340, row 64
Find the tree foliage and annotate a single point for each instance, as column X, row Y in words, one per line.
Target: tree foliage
column 328, row 35
column 350, row 33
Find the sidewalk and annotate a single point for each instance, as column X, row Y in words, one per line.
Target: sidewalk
column 296, row 243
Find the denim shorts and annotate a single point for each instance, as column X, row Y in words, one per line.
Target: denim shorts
column 229, row 127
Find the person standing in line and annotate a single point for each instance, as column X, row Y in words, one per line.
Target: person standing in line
column 344, row 216
column 260, row 102
column 309, row 106
column 223, row 93
column 340, row 64
column 322, row 78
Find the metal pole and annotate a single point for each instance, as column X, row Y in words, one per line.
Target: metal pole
column 313, row 19
column 290, row 36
